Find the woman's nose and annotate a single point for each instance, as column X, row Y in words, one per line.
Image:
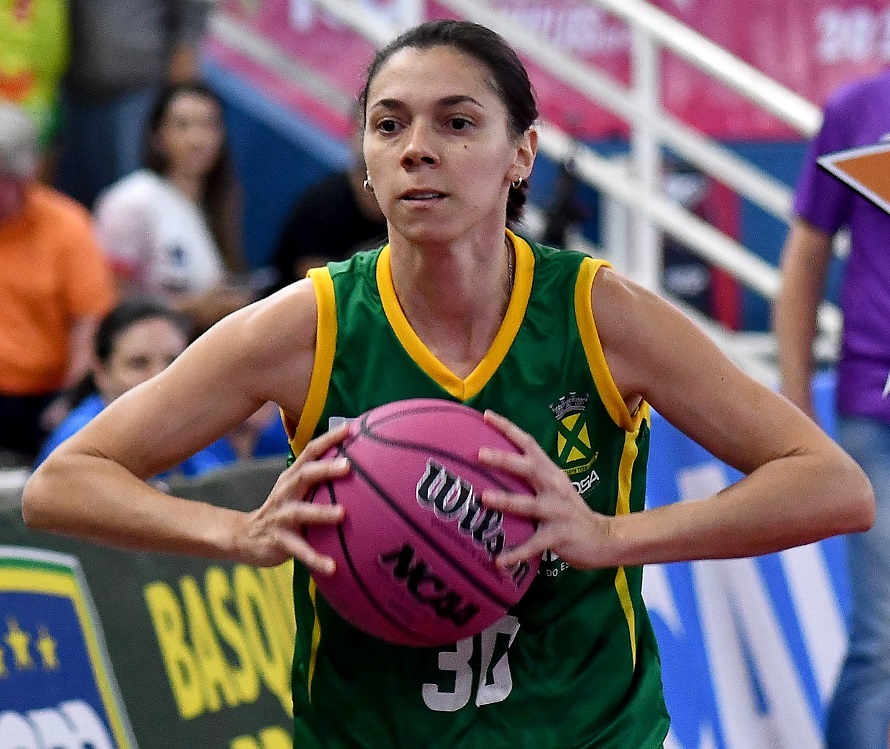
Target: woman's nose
column 419, row 148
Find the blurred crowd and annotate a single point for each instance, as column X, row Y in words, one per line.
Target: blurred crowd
column 120, row 217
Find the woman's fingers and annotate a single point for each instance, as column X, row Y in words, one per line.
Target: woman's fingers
column 296, row 514
column 518, row 436
column 308, row 475
column 530, row 463
column 519, row 465
column 278, row 527
column 511, row 503
column 565, row 524
column 531, row 549
column 295, row 545
column 317, row 447
column 312, row 467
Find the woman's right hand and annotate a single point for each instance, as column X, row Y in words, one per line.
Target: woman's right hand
column 275, row 531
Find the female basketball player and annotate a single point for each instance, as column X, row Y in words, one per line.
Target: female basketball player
column 458, row 307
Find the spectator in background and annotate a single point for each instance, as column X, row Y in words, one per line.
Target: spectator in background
column 122, row 54
column 859, row 114
column 136, row 340
column 173, row 229
column 54, row 287
column 33, row 56
column 332, row 220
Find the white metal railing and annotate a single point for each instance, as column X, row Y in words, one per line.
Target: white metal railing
column 273, row 58
column 651, row 127
column 640, row 188
column 786, row 105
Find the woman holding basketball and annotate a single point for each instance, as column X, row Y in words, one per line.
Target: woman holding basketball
column 458, row 307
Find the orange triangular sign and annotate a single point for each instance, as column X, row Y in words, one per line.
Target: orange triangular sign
column 866, row 169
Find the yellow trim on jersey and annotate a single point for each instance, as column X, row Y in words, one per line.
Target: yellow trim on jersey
column 316, row 639
column 625, row 474
column 627, row 604
column 593, row 348
column 462, row 389
column 325, row 346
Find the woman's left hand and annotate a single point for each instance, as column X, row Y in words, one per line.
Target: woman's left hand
column 566, row 525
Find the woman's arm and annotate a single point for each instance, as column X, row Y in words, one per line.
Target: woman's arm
column 93, row 485
column 800, row 486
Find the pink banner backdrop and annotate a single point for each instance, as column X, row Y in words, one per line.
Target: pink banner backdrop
column 810, row 46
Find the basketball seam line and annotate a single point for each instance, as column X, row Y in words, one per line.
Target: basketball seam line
column 441, row 551
column 355, row 573
column 365, row 430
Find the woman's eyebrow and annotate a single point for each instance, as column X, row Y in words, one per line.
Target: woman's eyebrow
column 445, row 101
column 450, row 101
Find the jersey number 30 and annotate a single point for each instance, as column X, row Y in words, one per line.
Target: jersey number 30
column 493, row 679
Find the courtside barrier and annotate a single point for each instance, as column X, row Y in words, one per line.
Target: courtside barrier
column 106, row 649
column 750, row 648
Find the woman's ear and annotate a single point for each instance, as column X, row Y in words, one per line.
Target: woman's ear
column 526, row 150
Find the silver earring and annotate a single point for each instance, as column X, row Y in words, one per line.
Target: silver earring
column 367, row 184
column 516, row 183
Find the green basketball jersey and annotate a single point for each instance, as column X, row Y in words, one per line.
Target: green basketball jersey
column 575, row 664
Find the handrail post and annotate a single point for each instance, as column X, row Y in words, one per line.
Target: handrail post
column 645, row 254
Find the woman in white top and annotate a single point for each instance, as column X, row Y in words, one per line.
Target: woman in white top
column 173, row 228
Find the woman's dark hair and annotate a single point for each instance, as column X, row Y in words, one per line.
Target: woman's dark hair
column 221, row 199
column 124, row 316
column 509, row 77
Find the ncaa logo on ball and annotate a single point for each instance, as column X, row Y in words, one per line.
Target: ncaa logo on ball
column 427, row 587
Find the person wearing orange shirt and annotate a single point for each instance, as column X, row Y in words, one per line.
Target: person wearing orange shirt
column 54, row 287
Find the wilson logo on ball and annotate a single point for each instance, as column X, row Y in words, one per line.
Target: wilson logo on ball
column 427, row 587
column 452, row 498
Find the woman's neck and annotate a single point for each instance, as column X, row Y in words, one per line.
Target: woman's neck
column 475, row 272
column 191, row 187
column 455, row 297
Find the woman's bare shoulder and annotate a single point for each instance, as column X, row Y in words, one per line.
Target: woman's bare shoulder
column 283, row 320
column 271, row 343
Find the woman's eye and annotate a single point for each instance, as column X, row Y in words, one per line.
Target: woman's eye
column 387, row 126
column 459, row 123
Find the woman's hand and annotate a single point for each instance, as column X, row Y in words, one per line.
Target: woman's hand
column 566, row 525
column 274, row 532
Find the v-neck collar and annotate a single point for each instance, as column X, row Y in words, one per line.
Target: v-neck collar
column 461, row 388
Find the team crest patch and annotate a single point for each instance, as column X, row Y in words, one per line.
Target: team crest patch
column 56, row 684
column 573, row 447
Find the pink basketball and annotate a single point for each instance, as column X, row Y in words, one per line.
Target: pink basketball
column 415, row 553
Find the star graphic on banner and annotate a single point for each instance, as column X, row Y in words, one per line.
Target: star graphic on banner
column 48, row 649
column 18, row 641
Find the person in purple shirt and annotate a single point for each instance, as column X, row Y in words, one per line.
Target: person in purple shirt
column 858, row 716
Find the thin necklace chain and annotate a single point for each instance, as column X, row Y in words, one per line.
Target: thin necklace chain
column 509, row 267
